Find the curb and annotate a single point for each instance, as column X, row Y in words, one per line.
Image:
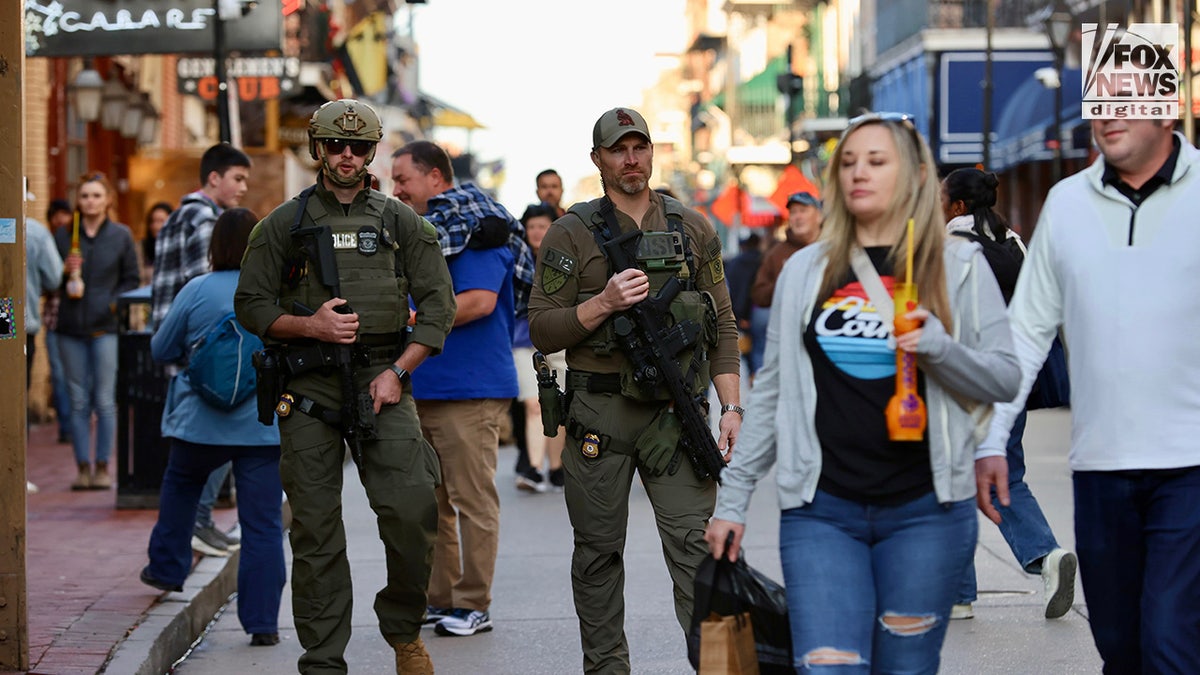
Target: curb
column 167, row 630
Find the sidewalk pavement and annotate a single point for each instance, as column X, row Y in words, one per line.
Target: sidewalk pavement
column 83, row 556
column 90, row 614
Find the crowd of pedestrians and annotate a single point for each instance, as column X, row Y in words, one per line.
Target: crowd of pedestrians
column 433, row 302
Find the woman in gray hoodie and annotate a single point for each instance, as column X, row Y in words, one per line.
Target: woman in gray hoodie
column 104, row 258
column 874, row 533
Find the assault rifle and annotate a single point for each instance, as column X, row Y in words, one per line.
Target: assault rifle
column 652, row 346
column 358, row 409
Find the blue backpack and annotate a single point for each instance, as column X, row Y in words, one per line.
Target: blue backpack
column 219, row 366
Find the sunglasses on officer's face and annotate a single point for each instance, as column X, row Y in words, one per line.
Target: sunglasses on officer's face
column 336, row 146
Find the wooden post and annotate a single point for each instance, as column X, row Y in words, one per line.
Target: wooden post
column 14, row 623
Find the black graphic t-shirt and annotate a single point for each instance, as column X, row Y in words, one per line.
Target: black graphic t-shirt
column 855, row 374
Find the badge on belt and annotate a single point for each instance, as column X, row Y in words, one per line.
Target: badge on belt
column 284, row 407
column 591, row 445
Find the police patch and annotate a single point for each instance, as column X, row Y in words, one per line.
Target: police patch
column 342, row 240
column 368, row 240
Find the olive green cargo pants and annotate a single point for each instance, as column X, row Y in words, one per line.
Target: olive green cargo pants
column 597, row 495
column 399, row 473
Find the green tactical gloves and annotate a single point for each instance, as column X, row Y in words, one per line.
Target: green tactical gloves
column 658, row 445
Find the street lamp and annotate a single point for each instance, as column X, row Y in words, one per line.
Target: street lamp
column 85, row 94
column 113, row 100
column 131, row 122
column 1058, row 29
column 148, row 132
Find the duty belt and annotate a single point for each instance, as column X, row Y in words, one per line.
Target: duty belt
column 596, row 383
column 371, row 350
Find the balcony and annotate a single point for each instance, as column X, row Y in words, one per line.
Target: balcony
column 898, row 20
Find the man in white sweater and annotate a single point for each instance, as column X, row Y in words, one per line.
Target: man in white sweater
column 1114, row 262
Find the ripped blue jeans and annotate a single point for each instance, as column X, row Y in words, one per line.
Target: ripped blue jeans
column 869, row 588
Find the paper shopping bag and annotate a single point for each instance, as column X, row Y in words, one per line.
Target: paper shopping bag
column 727, row 645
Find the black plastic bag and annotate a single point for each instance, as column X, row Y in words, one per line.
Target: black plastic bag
column 730, row 588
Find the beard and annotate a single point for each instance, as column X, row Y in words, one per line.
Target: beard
column 631, row 184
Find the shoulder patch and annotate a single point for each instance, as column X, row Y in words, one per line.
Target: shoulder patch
column 557, row 267
column 559, row 261
column 716, row 270
column 715, row 266
column 713, row 248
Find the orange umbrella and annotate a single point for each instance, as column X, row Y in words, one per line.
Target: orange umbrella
column 791, row 182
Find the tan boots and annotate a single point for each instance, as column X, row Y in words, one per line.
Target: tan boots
column 100, row 477
column 89, row 480
column 83, row 481
column 412, row 659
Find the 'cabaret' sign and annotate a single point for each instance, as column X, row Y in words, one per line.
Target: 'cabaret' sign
column 106, row 27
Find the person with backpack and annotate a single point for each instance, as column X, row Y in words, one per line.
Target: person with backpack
column 220, row 425
column 968, row 196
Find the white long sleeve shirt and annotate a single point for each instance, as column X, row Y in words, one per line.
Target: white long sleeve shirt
column 1121, row 281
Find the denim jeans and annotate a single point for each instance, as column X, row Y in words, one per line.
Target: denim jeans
column 1022, row 523
column 90, row 367
column 1137, row 535
column 261, row 568
column 759, row 317
column 59, row 397
column 853, row 572
column 212, row 490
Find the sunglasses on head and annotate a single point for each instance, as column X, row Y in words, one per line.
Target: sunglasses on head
column 336, row 146
column 903, row 119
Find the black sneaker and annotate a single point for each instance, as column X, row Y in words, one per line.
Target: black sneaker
column 531, row 481
column 557, row 479
column 436, row 614
column 264, row 639
column 155, row 583
column 464, row 622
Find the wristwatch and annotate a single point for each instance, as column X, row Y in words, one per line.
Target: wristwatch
column 400, row 373
column 733, row 407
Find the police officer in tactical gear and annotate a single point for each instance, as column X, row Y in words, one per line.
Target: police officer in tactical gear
column 382, row 254
column 614, row 425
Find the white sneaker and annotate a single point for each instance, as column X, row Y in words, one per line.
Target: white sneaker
column 962, row 610
column 1058, row 574
column 463, row 622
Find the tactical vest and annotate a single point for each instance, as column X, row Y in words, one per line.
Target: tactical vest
column 662, row 256
column 365, row 245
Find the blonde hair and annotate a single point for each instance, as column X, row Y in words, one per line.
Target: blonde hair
column 917, row 196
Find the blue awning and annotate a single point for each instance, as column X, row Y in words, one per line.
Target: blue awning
column 1026, row 123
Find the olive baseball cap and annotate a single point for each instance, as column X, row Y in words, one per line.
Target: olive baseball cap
column 614, row 124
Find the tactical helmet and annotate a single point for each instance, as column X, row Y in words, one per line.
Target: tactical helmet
column 345, row 119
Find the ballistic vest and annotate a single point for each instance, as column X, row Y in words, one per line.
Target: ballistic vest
column 370, row 270
column 662, row 256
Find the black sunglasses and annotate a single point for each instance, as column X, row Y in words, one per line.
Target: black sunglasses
column 336, row 146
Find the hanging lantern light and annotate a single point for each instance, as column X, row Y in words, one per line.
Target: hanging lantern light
column 113, row 101
column 131, row 121
column 148, row 132
column 85, row 93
